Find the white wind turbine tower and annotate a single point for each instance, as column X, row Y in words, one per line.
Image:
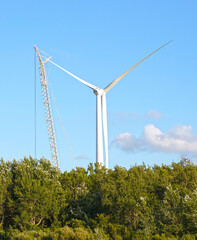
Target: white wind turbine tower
column 101, row 109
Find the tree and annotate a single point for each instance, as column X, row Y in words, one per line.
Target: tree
column 34, row 193
column 5, row 181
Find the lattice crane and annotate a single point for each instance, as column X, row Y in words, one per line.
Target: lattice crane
column 47, row 109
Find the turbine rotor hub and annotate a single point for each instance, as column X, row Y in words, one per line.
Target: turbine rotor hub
column 100, row 92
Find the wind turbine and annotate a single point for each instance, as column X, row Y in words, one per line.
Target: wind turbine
column 101, row 108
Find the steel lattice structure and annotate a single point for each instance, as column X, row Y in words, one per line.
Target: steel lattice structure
column 47, row 109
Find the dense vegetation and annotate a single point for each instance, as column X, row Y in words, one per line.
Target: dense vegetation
column 37, row 201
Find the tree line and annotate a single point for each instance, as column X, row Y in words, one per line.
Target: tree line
column 37, row 201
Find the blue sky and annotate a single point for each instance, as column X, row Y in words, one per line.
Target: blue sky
column 151, row 112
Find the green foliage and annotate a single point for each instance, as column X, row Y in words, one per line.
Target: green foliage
column 99, row 234
column 28, row 235
column 63, row 234
column 39, row 202
column 33, row 194
column 5, row 181
column 2, row 234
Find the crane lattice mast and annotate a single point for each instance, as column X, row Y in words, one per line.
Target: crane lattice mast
column 47, row 109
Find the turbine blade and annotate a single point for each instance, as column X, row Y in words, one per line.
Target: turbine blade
column 79, row 79
column 104, row 112
column 121, row 76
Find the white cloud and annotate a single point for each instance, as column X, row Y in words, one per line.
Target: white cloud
column 127, row 142
column 179, row 140
column 154, row 114
column 183, row 132
column 125, row 115
column 82, row 157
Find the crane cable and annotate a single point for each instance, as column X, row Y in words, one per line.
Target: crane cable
column 53, row 100
column 35, row 110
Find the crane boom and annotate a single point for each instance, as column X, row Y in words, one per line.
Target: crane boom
column 47, row 109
